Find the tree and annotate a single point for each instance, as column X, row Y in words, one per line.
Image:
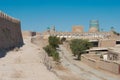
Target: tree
column 51, row 48
column 54, row 41
column 79, row 47
column 116, row 33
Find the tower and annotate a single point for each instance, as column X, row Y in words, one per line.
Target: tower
column 94, row 26
column 77, row 28
column 112, row 29
column 52, row 29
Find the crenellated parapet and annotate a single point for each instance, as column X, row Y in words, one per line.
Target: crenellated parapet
column 9, row 18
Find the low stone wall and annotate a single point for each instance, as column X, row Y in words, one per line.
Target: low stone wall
column 90, row 62
column 109, row 66
column 105, row 65
column 107, row 43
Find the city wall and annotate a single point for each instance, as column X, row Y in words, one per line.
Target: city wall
column 10, row 32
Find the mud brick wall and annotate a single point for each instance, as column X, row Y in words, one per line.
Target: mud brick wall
column 10, row 32
column 107, row 43
column 77, row 29
column 90, row 62
column 110, row 66
column 26, row 34
column 101, row 64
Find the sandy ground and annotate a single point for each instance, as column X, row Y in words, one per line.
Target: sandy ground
column 25, row 64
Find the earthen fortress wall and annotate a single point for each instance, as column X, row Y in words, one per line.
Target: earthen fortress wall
column 10, row 32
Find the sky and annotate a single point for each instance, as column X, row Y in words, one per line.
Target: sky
column 37, row 15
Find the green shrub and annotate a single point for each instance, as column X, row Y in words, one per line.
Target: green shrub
column 55, row 56
column 49, row 49
column 54, row 41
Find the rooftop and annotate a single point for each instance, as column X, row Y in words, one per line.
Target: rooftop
column 115, row 49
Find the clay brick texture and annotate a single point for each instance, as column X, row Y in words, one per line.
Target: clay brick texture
column 77, row 29
column 10, row 32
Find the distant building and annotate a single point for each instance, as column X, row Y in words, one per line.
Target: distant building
column 52, row 29
column 77, row 29
column 114, row 53
column 94, row 26
column 99, row 39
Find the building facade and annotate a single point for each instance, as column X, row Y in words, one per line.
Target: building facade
column 77, row 29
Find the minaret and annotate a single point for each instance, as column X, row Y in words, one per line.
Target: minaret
column 52, row 29
column 112, row 29
column 94, row 26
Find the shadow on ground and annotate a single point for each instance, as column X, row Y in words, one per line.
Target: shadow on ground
column 3, row 53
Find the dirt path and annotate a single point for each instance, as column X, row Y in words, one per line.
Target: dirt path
column 80, row 69
column 25, row 64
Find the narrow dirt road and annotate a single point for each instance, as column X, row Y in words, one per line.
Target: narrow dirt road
column 25, row 64
column 80, row 69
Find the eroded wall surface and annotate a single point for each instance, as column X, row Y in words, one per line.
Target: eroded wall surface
column 10, row 32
